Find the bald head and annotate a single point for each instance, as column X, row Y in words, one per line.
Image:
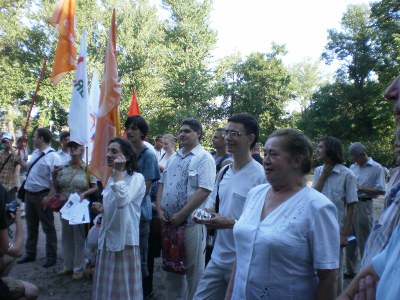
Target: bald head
column 393, row 93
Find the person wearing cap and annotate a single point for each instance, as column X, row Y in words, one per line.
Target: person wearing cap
column 9, row 167
column 68, row 180
column 63, row 153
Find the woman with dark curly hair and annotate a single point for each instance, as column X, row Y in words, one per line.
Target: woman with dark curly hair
column 117, row 273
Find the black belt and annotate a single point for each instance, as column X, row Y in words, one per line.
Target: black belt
column 365, row 199
column 40, row 192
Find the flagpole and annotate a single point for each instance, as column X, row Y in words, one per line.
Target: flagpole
column 39, row 81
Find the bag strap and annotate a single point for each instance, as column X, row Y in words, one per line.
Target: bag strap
column 73, row 175
column 219, row 181
column 36, row 160
column 8, row 158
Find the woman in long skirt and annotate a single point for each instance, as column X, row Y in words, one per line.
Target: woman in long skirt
column 117, row 272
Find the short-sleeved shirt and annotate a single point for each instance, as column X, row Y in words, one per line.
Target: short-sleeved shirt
column 277, row 258
column 370, row 175
column 340, row 187
column 78, row 183
column 39, row 177
column 148, row 165
column 176, row 179
column 233, row 189
column 387, row 265
column 10, row 171
column 64, row 157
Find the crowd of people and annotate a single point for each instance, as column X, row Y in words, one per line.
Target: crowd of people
column 227, row 225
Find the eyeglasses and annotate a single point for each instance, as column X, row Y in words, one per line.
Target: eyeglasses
column 232, row 133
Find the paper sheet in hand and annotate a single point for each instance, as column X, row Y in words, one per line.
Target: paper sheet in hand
column 75, row 211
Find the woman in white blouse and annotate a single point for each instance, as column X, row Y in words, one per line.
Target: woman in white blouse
column 169, row 144
column 287, row 236
column 117, row 272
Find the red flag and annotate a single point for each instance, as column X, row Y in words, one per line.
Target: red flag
column 108, row 120
column 65, row 57
column 134, row 108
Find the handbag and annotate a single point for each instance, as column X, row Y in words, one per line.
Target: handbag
column 55, row 202
column 21, row 191
column 173, row 249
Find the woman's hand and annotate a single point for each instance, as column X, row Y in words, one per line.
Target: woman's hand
column 119, row 163
column 97, row 207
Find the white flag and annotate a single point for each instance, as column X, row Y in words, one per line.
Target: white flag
column 78, row 110
column 94, row 97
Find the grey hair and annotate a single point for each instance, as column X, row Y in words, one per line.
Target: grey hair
column 357, row 149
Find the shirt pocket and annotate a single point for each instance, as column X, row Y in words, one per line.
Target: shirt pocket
column 193, row 178
column 239, row 199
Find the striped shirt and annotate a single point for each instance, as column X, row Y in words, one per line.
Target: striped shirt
column 382, row 229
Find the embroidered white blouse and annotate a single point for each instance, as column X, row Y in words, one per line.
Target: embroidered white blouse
column 277, row 258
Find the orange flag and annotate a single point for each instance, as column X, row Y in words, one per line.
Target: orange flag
column 65, row 57
column 134, row 108
column 108, row 120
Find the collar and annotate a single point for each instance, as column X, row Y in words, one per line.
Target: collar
column 337, row 168
column 195, row 151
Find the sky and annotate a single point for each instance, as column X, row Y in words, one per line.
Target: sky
column 252, row 25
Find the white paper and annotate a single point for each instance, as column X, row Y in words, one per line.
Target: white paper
column 76, row 211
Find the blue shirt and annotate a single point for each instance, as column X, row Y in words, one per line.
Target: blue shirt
column 387, row 266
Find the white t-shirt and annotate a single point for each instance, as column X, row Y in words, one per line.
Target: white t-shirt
column 233, row 190
column 278, row 257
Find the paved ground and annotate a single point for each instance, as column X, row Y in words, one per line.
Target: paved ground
column 53, row 287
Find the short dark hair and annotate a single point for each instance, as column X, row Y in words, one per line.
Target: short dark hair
column 140, row 123
column 64, row 134
column 296, row 143
column 194, row 124
column 249, row 123
column 159, row 137
column 334, row 148
column 127, row 149
column 44, row 133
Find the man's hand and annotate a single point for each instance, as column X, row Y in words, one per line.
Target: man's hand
column 217, row 221
column 343, row 241
column 177, row 219
column 162, row 215
column 366, row 289
column 97, row 207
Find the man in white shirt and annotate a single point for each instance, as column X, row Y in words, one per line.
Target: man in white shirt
column 338, row 183
column 232, row 186
column 64, row 151
column 370, row 184
column 38, row 183
column 185, row 184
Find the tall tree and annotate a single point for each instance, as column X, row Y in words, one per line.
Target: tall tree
column 189, row 41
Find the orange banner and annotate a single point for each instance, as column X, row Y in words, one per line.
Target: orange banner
column 65, row 56
column 108, row 120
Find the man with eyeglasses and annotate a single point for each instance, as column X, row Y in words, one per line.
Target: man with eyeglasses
column 232, row 185
column 185, row 184
column 9, row 167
